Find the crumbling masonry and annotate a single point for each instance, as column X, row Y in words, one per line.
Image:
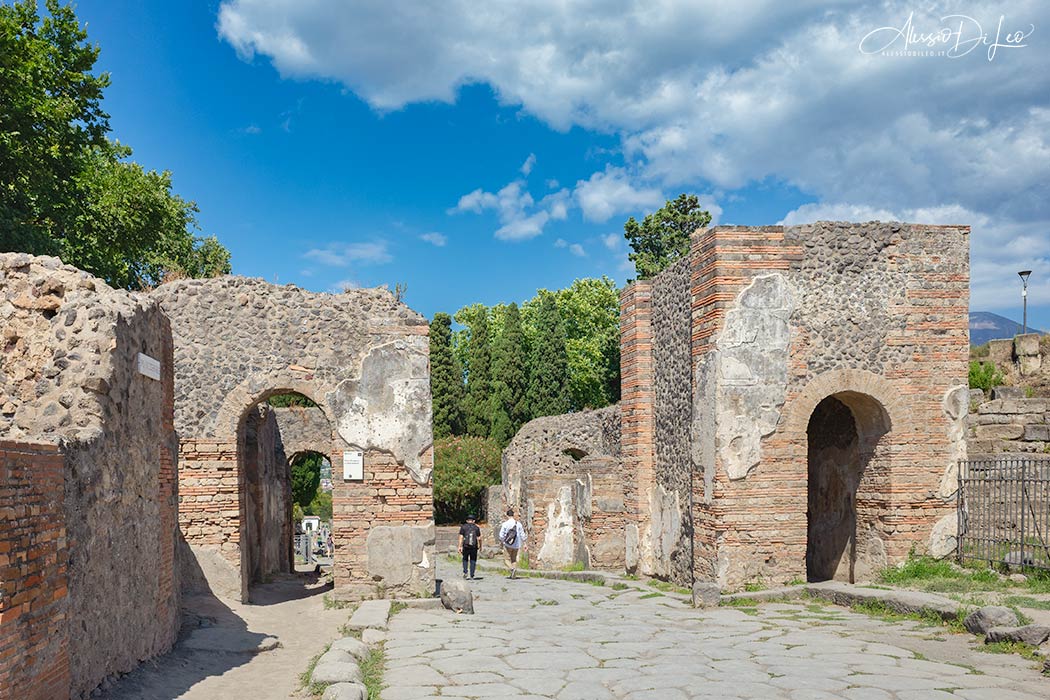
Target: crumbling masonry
column 793, row 406
column 138, row 458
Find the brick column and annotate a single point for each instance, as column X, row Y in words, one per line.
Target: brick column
column 636, row 403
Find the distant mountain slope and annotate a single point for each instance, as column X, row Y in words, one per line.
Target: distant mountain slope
column 985, row 326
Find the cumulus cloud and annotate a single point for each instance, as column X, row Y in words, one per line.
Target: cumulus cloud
column 527, row 166
column 612, row 241
column 708, row 95
column 520, row 216
column 577, row 250
column 611, row 192
column 339, row 254
column 435, row 238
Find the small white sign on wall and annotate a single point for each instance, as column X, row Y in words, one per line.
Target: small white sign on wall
column 149, row 366
column 353, row 466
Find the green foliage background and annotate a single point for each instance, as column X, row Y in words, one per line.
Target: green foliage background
column 463, row 467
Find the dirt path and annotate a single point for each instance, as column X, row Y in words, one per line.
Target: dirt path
column 216, row 655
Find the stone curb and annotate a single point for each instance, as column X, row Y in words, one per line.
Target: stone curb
column 370, row 613
column 905, row 602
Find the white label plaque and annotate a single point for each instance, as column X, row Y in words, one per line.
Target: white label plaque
column 149, row 366
column 353, row 466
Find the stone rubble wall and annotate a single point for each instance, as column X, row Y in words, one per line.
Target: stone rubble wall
column 303, row 429
column 1007, row 424
column 564, row 476
column 1024, row 360
column 69, row 376
column 363, row 358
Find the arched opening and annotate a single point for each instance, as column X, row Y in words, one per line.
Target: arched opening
column 311, row 479
column 266, row 499
column 843, row 438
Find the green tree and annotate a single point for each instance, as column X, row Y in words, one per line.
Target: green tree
column 321, row 506
column 548, row 393
column 479, row 375
column 446, row 379
column 65, row 189
column 590, row 309
column 306, row 478
column 984, row 375
column 664, row 236
column 510, row 378
column 463, row 467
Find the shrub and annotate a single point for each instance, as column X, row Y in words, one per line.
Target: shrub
column 463, row 467
column 984, row 375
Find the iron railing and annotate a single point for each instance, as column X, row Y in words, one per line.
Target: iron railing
column 1004, row 511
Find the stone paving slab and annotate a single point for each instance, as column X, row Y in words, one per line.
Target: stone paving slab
column 539, row 638
column 370, row 614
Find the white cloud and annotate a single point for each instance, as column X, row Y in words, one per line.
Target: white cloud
column 577, row 250
column 435, row 238
column 343, row 285
column 711, row 95
column 340, row 254
column 612, row 241
column 251, row 130
column 611, row 192
column 561, row 243
column 520, row 217
column 527, row 166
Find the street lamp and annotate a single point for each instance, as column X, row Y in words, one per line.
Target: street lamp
column 1023, row 274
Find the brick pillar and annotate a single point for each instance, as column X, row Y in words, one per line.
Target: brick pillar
column 636, row 403
column 34, row 626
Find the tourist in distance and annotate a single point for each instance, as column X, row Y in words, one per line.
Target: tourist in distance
column 512, row 539
column 469, row 544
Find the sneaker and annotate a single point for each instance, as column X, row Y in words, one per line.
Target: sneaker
column 464, row 575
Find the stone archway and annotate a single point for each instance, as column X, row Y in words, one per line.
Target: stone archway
column 843, row 438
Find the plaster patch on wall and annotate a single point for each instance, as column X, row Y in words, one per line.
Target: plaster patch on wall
column 702, row 429
column 388, row 407
column 557, row 538
column 751, row 371
column 956, row 406
column 664, row 531
column 630, row 548
column 944, row 536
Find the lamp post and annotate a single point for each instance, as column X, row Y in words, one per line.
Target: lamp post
column 1023, row 274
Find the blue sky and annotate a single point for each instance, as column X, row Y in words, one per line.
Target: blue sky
column 476, row 155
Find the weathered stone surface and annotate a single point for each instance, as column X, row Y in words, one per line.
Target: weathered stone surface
column 944, row 538
column 345, row 691
column 336, row 667
column 398, row 555
column 356, row 648
column 899, row 601
column 1029, row 634
column 457, row 596
column 372, row 636
column 370, row 613
column 706, row 595
column 984, row 619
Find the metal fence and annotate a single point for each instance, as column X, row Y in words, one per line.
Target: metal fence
column 1004, row 511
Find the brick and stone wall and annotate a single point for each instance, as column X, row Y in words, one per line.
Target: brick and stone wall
column 363, row 358
column 70, row 377
column 34, row 593
column 565, row 476
column 1008, row 423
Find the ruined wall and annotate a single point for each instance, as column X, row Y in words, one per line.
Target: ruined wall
column 362, row 356
column 565, row 476
column 268, row 493
column 1008, row 423
column 69, row 376
column 306, row 430
column 667, row 547
column 783, row 317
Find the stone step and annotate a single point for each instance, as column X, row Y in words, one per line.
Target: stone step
column 371, row 613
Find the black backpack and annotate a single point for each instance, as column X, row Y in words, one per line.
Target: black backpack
column 511, row 536
column 471, row 540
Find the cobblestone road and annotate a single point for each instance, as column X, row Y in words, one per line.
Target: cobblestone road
column 537, row 638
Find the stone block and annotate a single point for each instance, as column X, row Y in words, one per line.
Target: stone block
column 370, row 613
column 706, row 595
column 345, row 691
column 356, row 648
column 984, row 619
column 1037, row 432
column 1029, row 634
column 1027, row 345
column 336, row 666
column 457, row 597
column 1001, row 352
column 1007, row 431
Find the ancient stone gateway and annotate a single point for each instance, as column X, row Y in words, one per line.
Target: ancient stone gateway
column 362, row 357
column 793, row 406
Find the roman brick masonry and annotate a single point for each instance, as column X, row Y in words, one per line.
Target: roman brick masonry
column 794, row 406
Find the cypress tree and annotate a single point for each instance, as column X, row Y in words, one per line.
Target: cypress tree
column 446, row 379
column 478, row 378
column 548, row 393
column 510, row 380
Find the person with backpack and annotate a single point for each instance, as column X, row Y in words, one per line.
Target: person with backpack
column 512, row 538
column 469, row 544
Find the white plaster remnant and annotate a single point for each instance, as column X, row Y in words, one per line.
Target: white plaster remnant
column 557, row 539
column 388, row 406
column 944, row 537
column 956, row 405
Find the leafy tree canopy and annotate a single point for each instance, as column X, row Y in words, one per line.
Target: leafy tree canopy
column 664, row 236
column 306, row 478
column 463, row 467
column 65, row 188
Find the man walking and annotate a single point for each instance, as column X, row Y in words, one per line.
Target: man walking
column 512, row 538
column 469, row 544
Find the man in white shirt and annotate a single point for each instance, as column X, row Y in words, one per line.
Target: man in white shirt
column 512, row 538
